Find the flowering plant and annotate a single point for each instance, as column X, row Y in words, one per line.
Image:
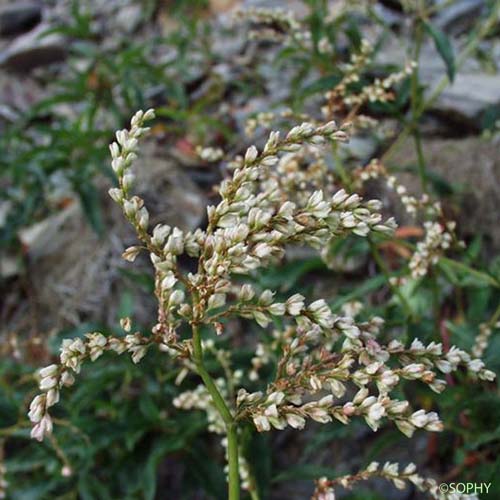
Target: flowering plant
column 326, row 367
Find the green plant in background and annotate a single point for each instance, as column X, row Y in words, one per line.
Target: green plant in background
column 56, row 149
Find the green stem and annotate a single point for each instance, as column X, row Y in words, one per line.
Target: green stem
column 233, row 459
column 415, row 101
column 380, row 263
column 254, row 495
column 422, row 170
column 340, row 166
column 481, row 275
column 224, row 412
column 495, row 317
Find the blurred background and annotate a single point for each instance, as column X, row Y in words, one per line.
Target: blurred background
column 72, row 72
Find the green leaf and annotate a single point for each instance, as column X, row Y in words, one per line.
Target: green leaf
column 321, row 85
column 89, row 198
column 444, row 48
column 474, row 276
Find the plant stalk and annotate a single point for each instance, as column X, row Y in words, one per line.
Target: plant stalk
column 415, row 102
column 224, row 412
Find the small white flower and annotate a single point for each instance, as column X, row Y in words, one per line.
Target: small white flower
column 262, row 423
column 295, row 304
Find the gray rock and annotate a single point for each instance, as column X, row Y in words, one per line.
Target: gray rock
column 472, row 165
column 460, row 16
column 360, row 147
column 391, row 17
column 129, row 18
column 33, row 49
column 470, row 96
column 18, row 17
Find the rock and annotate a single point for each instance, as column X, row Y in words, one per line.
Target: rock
column 19, row 98
column 10, row 266
column 169, row 191
column 393, row 18
column 129, row 18
column 75, row 274
column 460, row 16
column 49, row 235
column 469, row 96
column 33, row 49
column 18, row 17
column 471, row 164
column 360, row 147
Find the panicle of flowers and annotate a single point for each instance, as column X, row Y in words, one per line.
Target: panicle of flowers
column 74, row 352
column 311, row 366
column 325, row 488
column 345, row 96
column 253, row 222
column 380, row 89
column 439, row 235
column 438, row 238
column 269, row 24
column 269, row 119
column 413, row 205
column 163, row 243
column 328, row 367
column 210, row 154
column 123, row 154
column 482, row 339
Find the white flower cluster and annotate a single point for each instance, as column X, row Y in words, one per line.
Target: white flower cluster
column 328, row 367
column 379, row 90
column 483, row 338
column 269, row 24
column 343, row 94
column 410, row 202
column 310, row 366
column 246, row 229
column 263, row 119
column 297, row 175
column 210, row 154
column 73, row 353
column 325, row 488
column 438, row 238
column 200, row 399
column 375, row 170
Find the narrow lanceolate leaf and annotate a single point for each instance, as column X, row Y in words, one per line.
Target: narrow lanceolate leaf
column 444, row 48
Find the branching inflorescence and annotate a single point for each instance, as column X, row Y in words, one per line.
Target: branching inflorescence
column 327, row 367
column 390, row 472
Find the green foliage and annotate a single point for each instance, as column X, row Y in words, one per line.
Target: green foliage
column 444, row 48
